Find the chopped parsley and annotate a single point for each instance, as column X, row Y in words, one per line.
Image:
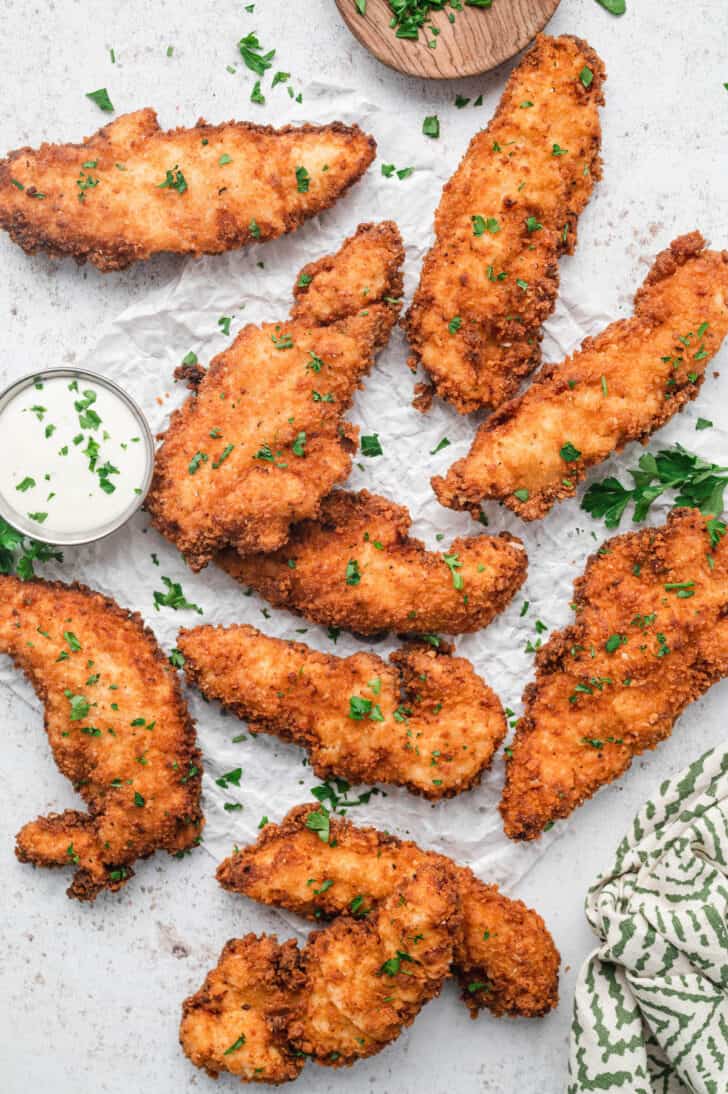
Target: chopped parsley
column 353, row 576
column 173, row 180
column 102, row 100
column 431, row 126
column 303, row 180
column 370, row 445
column 174, row 598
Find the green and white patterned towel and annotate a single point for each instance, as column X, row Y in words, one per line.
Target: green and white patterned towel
column 651, row 1006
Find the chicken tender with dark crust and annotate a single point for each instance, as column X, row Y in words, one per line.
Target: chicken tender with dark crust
column 118, row 727
column 620, row 386
column 651, row 636
column 426, row 722
column 262, row 439
column 132, row 190
column 504, row 958
column 358, row 567
column 506, row 216
column 229, row 1024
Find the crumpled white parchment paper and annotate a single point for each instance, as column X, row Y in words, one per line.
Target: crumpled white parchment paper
column 140, row 350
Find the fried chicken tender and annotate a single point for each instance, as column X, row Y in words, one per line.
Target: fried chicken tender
column 229, row 1024
column 426, row 722
column 358, row 567
column 651, row 636
column 349, row 993
column 506, row 216
column 504, row 957
column 620, row 386
column 262, row 440
column 118, row 727
column 132, row 190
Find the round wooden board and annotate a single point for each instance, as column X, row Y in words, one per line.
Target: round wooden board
column 478, row 40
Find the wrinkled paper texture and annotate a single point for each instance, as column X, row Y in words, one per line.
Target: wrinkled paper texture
column 140, row 350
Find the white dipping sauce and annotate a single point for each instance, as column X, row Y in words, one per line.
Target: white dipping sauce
column 74, row 457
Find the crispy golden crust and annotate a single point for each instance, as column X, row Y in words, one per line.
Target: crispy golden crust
column 505, row 958
column 538, row 158
column 262, row 440
column 229, row 1024
column 432, row 724
column 349, row 993
column 620, row 386
column 614, row 683
column 141, row 782
column 105, row 201
column 402, row 587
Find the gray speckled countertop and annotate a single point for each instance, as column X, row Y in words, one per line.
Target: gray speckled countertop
column 90, row 995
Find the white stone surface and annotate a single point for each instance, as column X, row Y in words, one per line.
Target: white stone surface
column 90, row 995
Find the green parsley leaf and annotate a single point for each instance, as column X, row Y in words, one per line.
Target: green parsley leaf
column 252, row 53
column 455, row 324
column 174, row 598
column 586, row 76
column 353, row 576
column 303, row 180
column 319, row 822
column 439, row 446
column 371, row 446
column 569, row 453
column 484, row 224
column 431, row 126
column 173, row 180
column 101, row 98
column 614, row 7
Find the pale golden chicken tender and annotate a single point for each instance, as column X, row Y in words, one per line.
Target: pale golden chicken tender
column 426, row 722
column 651, row 636
column 358, row 567
column 346, row 995
column 132, row 190
column 118, row 727
column 504, row 956
column 506, row 216
column 229, row 1024
column 620, row 386
column 368, row 978
column 262, row 440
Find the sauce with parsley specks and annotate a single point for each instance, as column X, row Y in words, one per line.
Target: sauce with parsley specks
column 75, row 456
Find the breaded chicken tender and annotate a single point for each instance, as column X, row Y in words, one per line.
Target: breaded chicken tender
column 262, row 440
column 506, row 216
column 426, row 722
column 349, row 993
column 504, row 957
column 358, row 567
column 620, row 386
column 118, row 727
column 651, row 635
column 229, row 1024
column 132, row 190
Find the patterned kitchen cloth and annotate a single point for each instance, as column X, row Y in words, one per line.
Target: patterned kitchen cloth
column 651, row 1005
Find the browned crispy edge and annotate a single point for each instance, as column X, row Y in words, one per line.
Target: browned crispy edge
column 547, row 288
column 82, row 887
column 118, row 257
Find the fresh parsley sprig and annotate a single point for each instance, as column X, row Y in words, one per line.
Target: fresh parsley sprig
column 18, row 553
column 699, row 484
